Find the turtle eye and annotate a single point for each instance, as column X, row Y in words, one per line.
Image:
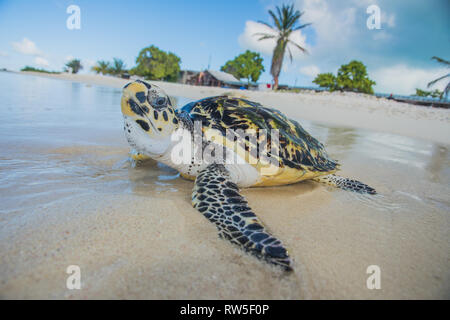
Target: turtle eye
column 159, row 102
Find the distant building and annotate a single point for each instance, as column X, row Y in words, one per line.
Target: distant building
column 185, row 75
column 213, row 78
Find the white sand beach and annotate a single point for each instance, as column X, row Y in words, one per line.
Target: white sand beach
column 69, row 197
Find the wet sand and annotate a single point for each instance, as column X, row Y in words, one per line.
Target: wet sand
column 70, row 197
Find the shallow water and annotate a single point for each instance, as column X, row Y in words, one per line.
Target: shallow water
column 63, row 161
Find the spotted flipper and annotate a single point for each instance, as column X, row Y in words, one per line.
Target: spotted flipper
column 345, row 183
column 218, row 198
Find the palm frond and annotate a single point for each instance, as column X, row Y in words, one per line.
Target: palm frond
column 266, row 24
column 290, row 54
column 440, row 60
column 298, row 46
column 267, row 36
column 437, row 80
column 275, row 19
column 280, row 15
column 264, row 36
column 302, row 26
column 292, row 20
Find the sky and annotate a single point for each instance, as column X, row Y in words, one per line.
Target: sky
column 208, row 33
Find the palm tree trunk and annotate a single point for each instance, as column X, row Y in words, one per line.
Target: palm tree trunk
column 277, row 61
column 275, row 85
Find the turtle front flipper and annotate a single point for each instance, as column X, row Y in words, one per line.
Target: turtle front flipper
column 219, row 200
column 345, row 184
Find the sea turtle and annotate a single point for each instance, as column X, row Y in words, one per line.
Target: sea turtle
column 285, row 154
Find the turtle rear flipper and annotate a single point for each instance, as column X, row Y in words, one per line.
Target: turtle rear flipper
column 345, row 184
column 219, row 200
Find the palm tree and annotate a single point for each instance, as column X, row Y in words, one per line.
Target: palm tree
column 118, row 66
column 101, row 67
column 75, row 65
column 447, row 87
column 285, row 21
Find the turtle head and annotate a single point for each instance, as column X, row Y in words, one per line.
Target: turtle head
column 149, row 117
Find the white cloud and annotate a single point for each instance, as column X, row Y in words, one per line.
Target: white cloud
column 4, row 54
column 248, row 39
column 27, row 47
column 310, row 71
column 41, row 62
column 332, row 22
column 404, row 79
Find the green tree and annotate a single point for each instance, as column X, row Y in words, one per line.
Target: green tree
column 118, row 66
column 102, row 67
column 155, row 64
column 350, row 77
column 75, row 65
column 447, row 87
column 285, row 21
column 326, row 80
column 354, row 77
column 247, row 65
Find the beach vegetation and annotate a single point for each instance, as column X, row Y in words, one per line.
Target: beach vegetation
column 433, row 94
column 102, row 67
column 248, row 65
column 74, row 65
column 155, row 64
column 117, row 67
column 32, row 69
column 285, row 21
column 350, row 77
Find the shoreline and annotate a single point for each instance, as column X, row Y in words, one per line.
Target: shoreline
column 341, row 109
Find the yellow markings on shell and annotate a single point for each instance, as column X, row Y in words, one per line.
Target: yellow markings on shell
column 271, row 175
column 263, row 166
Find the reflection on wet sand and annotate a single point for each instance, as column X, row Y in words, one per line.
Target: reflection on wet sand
column 438, row 163
column 341, row 139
